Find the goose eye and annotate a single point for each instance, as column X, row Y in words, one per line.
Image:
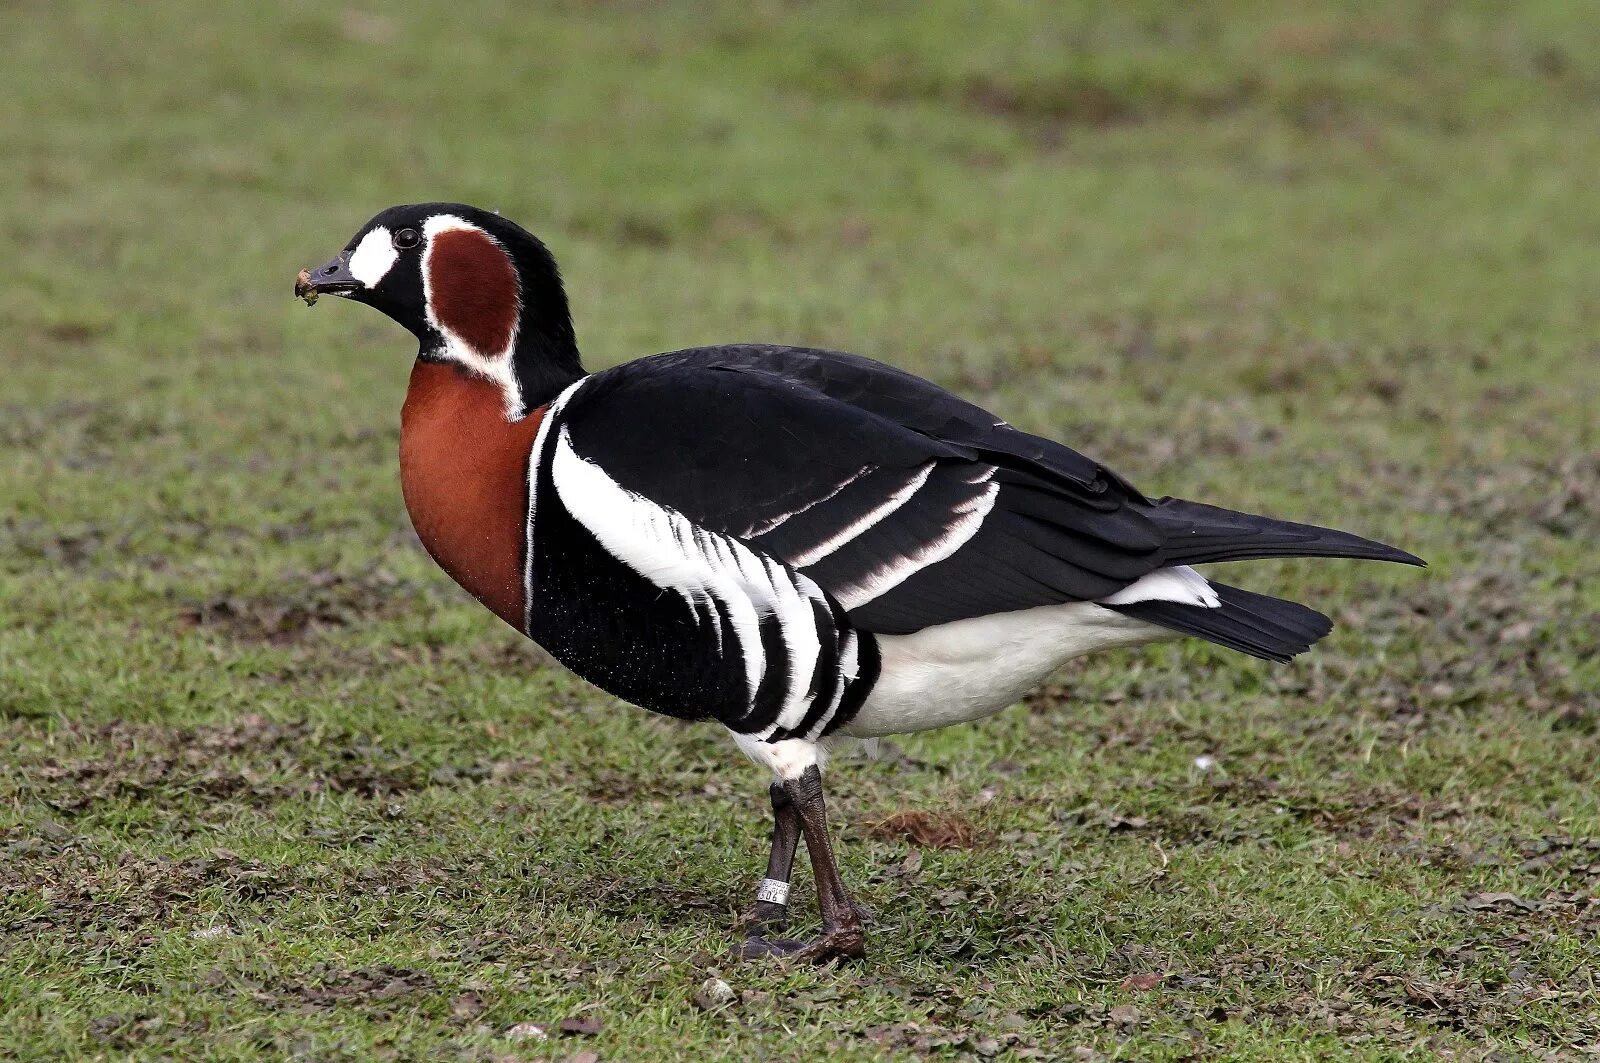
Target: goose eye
column 405, row 239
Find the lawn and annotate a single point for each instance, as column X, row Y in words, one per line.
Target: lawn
column 272, row 787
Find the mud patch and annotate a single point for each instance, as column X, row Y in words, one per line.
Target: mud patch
column 306, row 605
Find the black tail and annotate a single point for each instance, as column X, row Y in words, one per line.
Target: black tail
column 1198, row 533
column 1262, row 626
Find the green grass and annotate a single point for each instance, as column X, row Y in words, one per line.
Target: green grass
column 1333, row 262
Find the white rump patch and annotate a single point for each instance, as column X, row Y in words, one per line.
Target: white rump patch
column 1177, row 584
column 370, row 261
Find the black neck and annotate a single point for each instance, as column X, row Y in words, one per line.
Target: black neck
column 546, row 358
column 545, row 365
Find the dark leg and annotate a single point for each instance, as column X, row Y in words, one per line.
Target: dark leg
column 771, row 910
column 842, row 935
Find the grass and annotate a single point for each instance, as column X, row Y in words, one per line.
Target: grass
column 271, row 787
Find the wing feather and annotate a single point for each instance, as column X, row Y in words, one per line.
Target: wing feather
column 848, row 484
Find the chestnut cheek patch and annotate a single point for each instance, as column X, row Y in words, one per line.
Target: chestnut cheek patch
column 472, row 289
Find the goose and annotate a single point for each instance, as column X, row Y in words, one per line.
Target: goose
column 805, row 546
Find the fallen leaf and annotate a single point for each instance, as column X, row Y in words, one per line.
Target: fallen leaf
column 580, row 1026
column 934, row 831
column 1479, row 901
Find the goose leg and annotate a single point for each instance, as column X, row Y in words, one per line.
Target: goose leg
column 842, row 934
column 770, row 913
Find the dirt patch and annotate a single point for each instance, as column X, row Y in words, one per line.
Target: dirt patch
column 1355, row 812
column 1084, row 101
column 700, row 225
column 1053, row 104
column 123, row 1031
column 329, row 987
column 306, row 605
column 74, row 546
column 85, row 893
column 251, row 759
column 930, row 830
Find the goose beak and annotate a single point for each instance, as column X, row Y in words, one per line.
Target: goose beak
column 334, row 278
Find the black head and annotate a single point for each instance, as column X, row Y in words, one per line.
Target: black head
column 474, row 288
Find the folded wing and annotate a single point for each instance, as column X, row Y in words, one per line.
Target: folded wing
column 901, row 527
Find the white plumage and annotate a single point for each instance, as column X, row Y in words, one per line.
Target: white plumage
column 962, row 671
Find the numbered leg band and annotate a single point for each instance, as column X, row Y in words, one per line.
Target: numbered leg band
column 772, row 891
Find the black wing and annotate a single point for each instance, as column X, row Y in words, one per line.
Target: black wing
column 908, row 505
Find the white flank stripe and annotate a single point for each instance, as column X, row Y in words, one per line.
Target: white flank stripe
column 534, row 456
column 848, row 667
column 865, row 521
column 968, row 519
column 849, row 659
column 1177, row 584
column 798, row 622
column 655, row 542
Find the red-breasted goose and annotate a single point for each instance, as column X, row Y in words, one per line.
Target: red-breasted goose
column 802, row 545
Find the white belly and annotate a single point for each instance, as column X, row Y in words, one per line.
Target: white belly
column 973, row 668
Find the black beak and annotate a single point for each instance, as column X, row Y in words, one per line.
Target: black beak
column 334, row 278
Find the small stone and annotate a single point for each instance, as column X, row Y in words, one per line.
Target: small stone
column 1205, row 762
column 714, row 993
column 526, row 1031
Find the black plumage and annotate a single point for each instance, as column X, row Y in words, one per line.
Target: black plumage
column 788, row 447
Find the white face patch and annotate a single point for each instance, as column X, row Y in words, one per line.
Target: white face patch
column 373, row 256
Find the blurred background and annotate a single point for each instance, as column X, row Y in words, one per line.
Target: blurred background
column 1334, row 261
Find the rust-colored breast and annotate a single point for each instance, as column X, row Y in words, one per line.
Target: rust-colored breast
column 463, row 470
